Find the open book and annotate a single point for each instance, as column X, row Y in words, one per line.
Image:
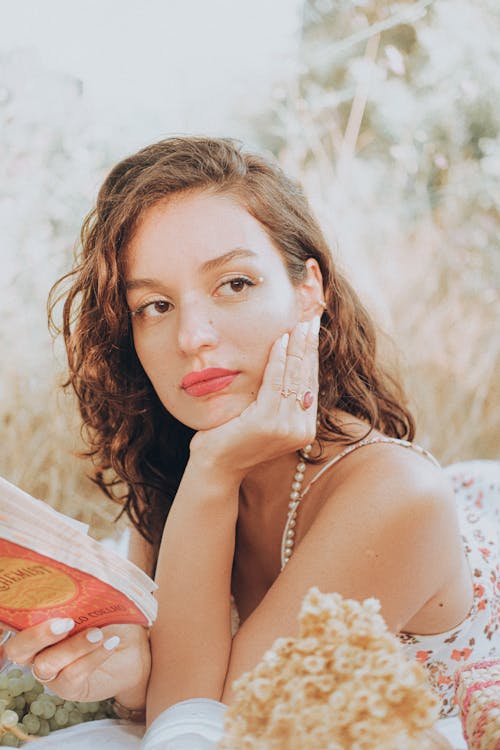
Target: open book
column 50, row 567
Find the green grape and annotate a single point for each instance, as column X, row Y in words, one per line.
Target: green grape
column 53, row 725
column 10, row 740
column 44, row 728
column 31, row 723
column 15, row 673
column 19, row 703
column 29, row 681
column 37, row 707
column 49, row 709
column 46, row 697
column 23, row 699
column 9, row 718
column 30, row 696
column 61, row 716
column 15, row 686
column 74, row 717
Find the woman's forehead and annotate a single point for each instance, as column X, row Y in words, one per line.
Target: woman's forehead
column 200, row 228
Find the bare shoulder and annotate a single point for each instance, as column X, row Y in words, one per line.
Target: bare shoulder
column 381, row 523
column 387, row 527
column 389, row 477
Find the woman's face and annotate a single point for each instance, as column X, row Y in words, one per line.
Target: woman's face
column 209, row 294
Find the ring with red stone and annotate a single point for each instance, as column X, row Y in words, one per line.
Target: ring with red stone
column 306, row 399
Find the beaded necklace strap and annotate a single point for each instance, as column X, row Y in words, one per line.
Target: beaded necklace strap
column 287, row 541
column 369, row 441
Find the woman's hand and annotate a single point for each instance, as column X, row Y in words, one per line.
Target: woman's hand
column 92, row 665
column 277, row 422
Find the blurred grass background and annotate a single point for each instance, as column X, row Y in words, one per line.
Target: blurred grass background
column 389, row 117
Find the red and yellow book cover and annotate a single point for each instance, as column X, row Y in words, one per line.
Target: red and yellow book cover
column 34, row 588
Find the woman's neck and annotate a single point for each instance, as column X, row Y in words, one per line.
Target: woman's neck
column 269, row 484
column 266, row 487
column 261, row 482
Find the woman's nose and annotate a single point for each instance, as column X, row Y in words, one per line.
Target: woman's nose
column 196, row 330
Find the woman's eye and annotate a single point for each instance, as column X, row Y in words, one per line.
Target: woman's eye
column 154, row 309
column 234, row 286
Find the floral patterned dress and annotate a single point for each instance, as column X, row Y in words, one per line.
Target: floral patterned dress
column 477, row 490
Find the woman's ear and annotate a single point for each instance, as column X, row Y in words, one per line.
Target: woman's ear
column 310, row 292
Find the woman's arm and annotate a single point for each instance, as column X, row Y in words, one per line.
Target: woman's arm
column 140, row 552
column 191, row 638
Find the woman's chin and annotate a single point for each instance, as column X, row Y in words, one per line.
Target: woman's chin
column 209, row 416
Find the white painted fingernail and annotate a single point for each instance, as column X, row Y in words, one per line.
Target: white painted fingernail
column 304, row 326
column 94, row 635
column 111, row 643
column 316, row 322
column 61, row 625
column 284, row 340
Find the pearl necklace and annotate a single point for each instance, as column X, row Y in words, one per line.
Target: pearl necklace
column 296, row 496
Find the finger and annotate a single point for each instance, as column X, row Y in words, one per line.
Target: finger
column 301, row 378
column 272, row 380
column 296, row 352
column 311, row 360
column 49, row 663
column 72, row 681
column 22, row 647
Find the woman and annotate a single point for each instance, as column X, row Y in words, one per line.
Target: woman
column 229, row 381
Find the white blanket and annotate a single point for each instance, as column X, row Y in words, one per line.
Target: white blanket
column 108, row 734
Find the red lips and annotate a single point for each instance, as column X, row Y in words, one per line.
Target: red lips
column 207, row 381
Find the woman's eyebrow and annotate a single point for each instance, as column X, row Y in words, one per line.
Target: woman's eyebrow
column 206, row 267
column 141, row 283
column 238, row 252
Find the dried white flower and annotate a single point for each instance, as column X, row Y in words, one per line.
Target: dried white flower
column 343, row 683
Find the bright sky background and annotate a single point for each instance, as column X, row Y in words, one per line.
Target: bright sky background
column 161, row 65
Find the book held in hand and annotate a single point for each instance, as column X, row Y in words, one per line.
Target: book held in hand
column 50, row 567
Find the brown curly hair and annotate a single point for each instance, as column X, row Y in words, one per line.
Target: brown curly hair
column 140, row 450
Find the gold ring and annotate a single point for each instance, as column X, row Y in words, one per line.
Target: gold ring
column 306, row 399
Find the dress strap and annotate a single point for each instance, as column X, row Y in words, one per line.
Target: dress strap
column 360, row 444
